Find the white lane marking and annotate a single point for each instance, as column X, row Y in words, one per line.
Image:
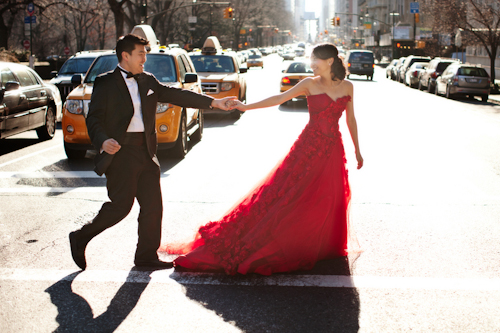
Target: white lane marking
column 89, row 189
column 45, row 174
column 29, row 155
column 325, row 281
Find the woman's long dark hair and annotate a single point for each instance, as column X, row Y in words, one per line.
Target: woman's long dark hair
column 326, row 51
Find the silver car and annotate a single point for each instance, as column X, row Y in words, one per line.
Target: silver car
column 464, row 79
column 413, row 73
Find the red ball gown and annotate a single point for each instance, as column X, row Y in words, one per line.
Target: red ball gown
column 297, row 215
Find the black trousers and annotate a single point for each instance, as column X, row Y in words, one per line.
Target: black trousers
column 132, row 174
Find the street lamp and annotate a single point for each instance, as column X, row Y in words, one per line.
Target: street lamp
column 393, row 14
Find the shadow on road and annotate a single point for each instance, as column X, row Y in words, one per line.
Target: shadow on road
column 284, row 309
column 75, row 313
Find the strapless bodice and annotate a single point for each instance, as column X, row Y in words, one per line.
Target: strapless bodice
column 325, row 113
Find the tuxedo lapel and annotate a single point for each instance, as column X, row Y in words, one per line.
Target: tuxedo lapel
column 124, row 93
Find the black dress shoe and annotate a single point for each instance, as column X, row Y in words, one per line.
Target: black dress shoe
column 77, row 251
column 158, row 264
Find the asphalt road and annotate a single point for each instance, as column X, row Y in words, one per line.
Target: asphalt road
column 426, row 208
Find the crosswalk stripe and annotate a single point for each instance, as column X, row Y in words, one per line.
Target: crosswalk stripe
column 29, row 155
column 169, row 276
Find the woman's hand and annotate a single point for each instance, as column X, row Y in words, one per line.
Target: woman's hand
column 359, row 158
column 236, row 104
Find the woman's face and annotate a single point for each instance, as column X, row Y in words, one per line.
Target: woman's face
column 320, row 66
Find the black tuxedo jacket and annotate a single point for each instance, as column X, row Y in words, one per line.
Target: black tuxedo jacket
column 111, row 110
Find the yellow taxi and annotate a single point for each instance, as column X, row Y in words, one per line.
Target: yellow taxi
column 295, row 72
column 174, row 124
column 255, row 60
column 220, row 73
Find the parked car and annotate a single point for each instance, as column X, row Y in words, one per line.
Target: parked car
column 360, row 62
column 288, row 55
column 300, row 52
column 397, row 67
column 388, row 69
column 294, row 73
column 464, row 79
column 27, row 103
column 77, row 64
column 221, row 74
column 255, row 60
column 407, row 64
column 174, row 124
column 413, row 73
column 436, row 67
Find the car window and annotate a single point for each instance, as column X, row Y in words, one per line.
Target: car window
column 25, row 78
column 218, row 64
column 6, row 75
column 442, row 66
column 33, row 76
column 360, row 56
column 102, row 64
column 76, row 65
column 254, row 56
column 187, row 65
column 299, row 67
column 472, row 71
column 161, row 66
column 182, row 68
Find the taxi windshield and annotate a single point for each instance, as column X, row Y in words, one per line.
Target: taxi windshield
column 213, row 63
column 76, row 66
column 160, row 65
column 299, row 67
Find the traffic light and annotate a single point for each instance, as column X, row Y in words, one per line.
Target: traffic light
column 417, row 18
column 228, row 12
column 337, row 21
column 333, row 21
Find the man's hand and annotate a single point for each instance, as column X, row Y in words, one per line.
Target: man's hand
column 111, row 146
column 223, row 103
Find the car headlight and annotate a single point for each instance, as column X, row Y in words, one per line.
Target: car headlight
column 227, row 86
column 163, row 107
column 74, row 106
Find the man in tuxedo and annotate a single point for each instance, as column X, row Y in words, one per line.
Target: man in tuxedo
column 122, row 127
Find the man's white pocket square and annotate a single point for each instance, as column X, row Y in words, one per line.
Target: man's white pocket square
column 150, row 92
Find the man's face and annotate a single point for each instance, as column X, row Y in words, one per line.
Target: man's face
column 134, row 62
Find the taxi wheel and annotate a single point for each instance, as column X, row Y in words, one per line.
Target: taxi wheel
column 74, row 154
column 181, row 145
column 199, row 132
column 48, row 130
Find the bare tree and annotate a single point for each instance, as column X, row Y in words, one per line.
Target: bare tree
column 478, row 20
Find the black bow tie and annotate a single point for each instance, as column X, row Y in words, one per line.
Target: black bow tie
column 129, row 74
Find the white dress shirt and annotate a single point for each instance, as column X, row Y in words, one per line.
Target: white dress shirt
column 136, row 123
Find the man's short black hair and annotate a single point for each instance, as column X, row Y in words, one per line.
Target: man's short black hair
column 127, row 44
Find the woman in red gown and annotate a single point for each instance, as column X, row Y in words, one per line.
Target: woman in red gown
column 298, row 214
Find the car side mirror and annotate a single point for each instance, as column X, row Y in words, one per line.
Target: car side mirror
column 11, row 85
column 243, row 70
column 76, row 79
column 190, row 78
column 53, row 74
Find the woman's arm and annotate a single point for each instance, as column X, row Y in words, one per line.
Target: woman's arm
column 353, row 126
column 300, row 88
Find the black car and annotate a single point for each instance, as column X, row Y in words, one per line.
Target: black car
column 27, row 103
column 360, row 62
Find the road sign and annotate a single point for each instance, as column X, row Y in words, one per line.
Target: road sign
column 66, row 50
column 31, row 8
column 26, row 44
column 192, row 19
column 414, row 7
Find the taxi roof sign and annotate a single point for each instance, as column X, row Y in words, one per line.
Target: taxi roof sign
column 147, row 32
column 211, row 45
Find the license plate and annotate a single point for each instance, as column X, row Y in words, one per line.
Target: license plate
column 365, row 65
column 472, row 80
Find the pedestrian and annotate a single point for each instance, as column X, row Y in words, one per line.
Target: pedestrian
column 121, row 123
column 299, row 213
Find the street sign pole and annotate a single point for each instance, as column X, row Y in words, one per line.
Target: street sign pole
column 31, row 10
